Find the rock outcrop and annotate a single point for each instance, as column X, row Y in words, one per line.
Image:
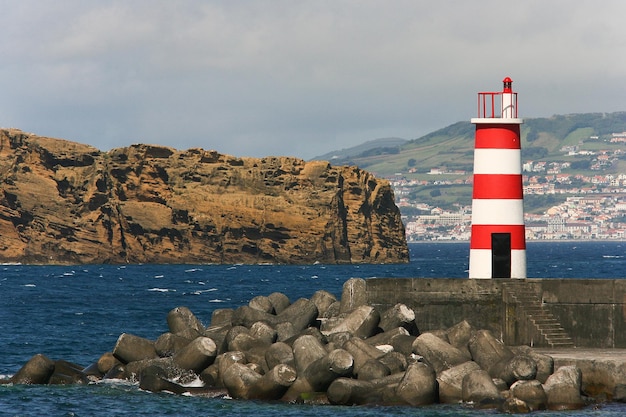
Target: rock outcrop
column 65, row 202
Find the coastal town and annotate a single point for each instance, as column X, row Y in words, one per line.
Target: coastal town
column 587, row 206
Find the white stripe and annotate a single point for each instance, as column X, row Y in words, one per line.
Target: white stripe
column 518, row 263
column 496, row 121
column 480, row 264
column 497, row 161
column 497, row 211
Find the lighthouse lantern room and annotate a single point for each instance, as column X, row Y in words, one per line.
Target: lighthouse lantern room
column 498, row 242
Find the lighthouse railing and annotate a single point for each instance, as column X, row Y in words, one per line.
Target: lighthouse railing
column 490, row 107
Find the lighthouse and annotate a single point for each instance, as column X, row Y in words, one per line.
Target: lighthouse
column 498, row 241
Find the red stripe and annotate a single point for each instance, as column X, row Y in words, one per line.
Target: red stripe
column 506, row 186
column 496, row 136
column 481, row 235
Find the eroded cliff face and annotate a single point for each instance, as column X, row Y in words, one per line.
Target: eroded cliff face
column 65, row 202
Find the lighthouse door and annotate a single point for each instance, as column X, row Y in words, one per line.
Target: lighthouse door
column 501, row 255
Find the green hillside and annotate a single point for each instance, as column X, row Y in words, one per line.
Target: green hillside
column 543, row 139
column 575, row 140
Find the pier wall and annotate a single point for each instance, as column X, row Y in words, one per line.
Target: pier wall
column 591, row 311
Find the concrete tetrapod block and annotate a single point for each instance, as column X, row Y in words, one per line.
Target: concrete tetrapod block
column 361, row 352
column 285, row 332
column 106, row 362
column 403, row 344
column 181, row 319
column 131, row 348
column 279, row 301
column 395, row 362
column 218, row 334
column 531, row 392
column 301, row 314
column 168, row 343
column 353, row 294
column 197, row 355
column 451, row 382
column 245, row 342
column 232, row 333
column 221, row 317
column 66, row 373
column 398, row 316
column 373, row 369
column 545, row 363
column 154, row 379
column 262, row 303
column 518, row 368
column 306, row 350
column 323, row 300
column 210, row 375
column 238, row 379
column 320, row 374
column 246, row 316
column 37, row 370
column 478, row 388
column 486, row 350
column 388, row 337
column 324, row 370
column 361, row 322
column 273, row 384
column 278, row 353
column 263, row 332
column 460, row 334
column 563, row 389
column 419, row 385
column 226, row 360
column 133, row 370
column 438, row 353
column 513, row 405
column 348, row 391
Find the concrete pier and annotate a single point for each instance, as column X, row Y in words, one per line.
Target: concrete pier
column 603, row 370
column 551, row 312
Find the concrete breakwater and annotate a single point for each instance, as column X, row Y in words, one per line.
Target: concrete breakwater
column 323, row 350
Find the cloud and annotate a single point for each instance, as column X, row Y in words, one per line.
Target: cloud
column 296, row 77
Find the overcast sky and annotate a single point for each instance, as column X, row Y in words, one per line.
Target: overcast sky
column 292, row 77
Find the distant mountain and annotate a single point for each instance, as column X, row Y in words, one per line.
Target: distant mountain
column 383, row 145
column 543, row 139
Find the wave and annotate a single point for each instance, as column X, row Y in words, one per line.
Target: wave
column 612, row 256
column 199, row 292
column 161, row 290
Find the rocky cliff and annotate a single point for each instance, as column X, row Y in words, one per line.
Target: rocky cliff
column 63, row 202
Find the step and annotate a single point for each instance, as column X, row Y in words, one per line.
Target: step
column 553, row 333
column 552, row 327
column 544, row 320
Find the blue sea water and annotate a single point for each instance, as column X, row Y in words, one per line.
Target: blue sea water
column 76, row 313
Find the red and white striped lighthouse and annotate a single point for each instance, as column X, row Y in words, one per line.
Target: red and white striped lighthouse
column 498, row 241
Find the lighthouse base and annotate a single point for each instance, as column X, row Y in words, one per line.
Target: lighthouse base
column 487, row 263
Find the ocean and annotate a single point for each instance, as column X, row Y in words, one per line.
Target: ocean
column 76, row 313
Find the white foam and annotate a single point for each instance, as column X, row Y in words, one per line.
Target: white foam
column 161, row 290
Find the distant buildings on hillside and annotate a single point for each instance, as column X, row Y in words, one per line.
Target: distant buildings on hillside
column 579, row 217
column 595, row 206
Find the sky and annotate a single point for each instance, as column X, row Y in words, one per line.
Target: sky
column 297, row 77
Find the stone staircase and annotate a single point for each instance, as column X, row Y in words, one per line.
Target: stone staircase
column 523, row 294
